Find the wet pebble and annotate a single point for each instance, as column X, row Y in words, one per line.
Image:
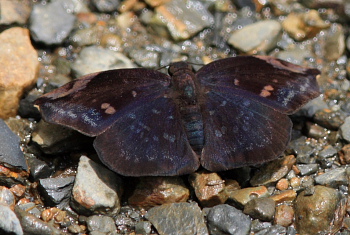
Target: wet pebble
column 260, row 36
column 309, row 109
column 57, row 191
column 272, row 230
column 260, row 208
column 7, row 198
column 39, row 169
column 143, row 227
column 178, row 218
column 9, row 223
column 329, row 119
column 19, row 73
column 225, row 219
column 284, row 196
column 103, row 196
column 209, row 188
column 10, row 152
column 241, row 197
column 284, row 215
column 104, row 224
column 335, row 46
column 32, row 225
column 307, row 169
column 154, row 191
column 327, row 152
column 317, row 213
column 45, row 27
column 334, row 177
column 95, row 59
column 273, row 171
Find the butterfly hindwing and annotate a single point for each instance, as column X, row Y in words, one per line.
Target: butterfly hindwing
column 148, row 140
column 270, row 81
column 92, row 103
column 241, row 132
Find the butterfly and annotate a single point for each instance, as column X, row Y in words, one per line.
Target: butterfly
column 231, row 113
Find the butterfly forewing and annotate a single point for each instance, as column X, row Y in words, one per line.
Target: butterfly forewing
column 148, row 140
column 272, row 82
column 240, row 131
column 92, row 103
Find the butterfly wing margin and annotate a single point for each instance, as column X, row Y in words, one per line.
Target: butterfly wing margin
column 273, row 82
column 149, row 140
column 92, row 103
column 241, row 132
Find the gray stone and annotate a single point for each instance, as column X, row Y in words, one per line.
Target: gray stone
column 260, row 208
column 96, row 189
column 57, row 191
column 106, row 5
column 225, row 219
column 310, row 108
column 39, row 169
column 95, row 59
column 333, row 178
column 10, row 152
column 32, row 225
column 178, row 218
column 307, row 169
column 143, row 227
column 6, row 197
column 273, row 230
column 103, row 224
column 51, row 23
column 260, row 36
column 327, row 152
column 182, row 18
column 9, row 223
column 345, row 129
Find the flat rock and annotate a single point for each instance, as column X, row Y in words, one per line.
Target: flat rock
column 104, row 224
column 45, row 26
column 225, row 219
column 18, row 73
column 106, row 5
column 241, row 197
column 101, row 196
column 178, row 218
column 260, row 208
column 9, row 223
column 155, row 191
column 10, row 152
column 95, row 59
column 260, row 36
column 334, row 177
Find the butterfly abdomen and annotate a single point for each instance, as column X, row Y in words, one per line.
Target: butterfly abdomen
column 186, row 98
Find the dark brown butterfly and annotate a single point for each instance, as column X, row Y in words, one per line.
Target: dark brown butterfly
column 231, row 113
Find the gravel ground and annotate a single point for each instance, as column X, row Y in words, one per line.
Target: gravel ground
column 51, row 180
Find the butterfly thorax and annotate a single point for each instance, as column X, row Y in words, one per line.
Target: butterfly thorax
column 186, row 98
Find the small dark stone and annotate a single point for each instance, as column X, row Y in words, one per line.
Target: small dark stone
column 329, row 119
column 10, row 152
column 39, row 169
column 333, row 178
column 273, row 230
column 104, row 224
column 57, row 191
column 106, row 5
column 260, row 208
column 307, row 169
column 225, row 219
